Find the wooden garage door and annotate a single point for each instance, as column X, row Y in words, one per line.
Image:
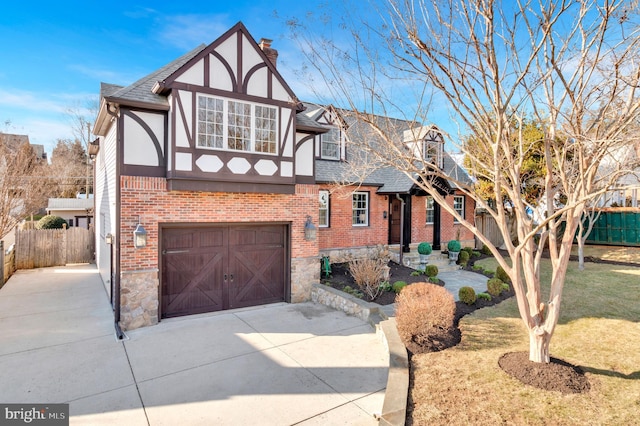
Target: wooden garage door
column 208, row 269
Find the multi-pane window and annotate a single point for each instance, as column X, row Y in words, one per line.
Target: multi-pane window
column 323, row 220
column 240, row 126
column 360, row 209
column 330, row 144
column 458, row 205
column 210, row 122
column 429, row 206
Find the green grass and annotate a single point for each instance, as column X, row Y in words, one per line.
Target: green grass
column 599, row 330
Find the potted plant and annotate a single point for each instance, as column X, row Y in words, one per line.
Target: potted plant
column 424, row 250
column 454, row 248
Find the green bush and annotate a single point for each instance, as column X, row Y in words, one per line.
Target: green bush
column 485, row 250
column 502, row 275
column 505, row 287
column 51, row 222
column 416, row 273
column 454, row 246
column 463, row 258
column 467, row 295
column 485, row 296
column 477, row 268
column 475, row 253
column 424, row 248
column 468, row 250
column 398, row 286
column 494, row 287
column 431, row 271
column 386, row 286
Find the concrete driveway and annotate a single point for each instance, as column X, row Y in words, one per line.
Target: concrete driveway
column 278, row 364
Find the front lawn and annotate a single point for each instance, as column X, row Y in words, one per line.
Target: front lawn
column 599, row 331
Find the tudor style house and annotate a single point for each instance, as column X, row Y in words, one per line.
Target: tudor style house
column 210, row 177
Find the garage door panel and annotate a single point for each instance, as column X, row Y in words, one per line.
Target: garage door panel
column 207, row 269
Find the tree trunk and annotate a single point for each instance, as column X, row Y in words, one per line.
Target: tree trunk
column 539, row 346
column 580, row 254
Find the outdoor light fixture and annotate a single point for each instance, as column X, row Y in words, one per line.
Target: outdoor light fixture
column 309, row 230
column 108, row 238
column 139, row 236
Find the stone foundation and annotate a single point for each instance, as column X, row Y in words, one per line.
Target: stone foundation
column 340, row 255
column 305, row 271
column 138, row 299
column 344, row 302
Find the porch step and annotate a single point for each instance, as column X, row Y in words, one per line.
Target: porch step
column 412, row 259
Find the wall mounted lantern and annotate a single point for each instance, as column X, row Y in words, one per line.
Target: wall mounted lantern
column 309, row 230
column 108, row 238
column 139, row 236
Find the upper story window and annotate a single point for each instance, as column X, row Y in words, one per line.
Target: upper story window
column 330, row 144
column 458, row 205
column 323, row 220
column 430, row 210
column 360, row 209
column 234, row 125
column 432, row 148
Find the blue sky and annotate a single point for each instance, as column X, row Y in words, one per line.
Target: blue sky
column 55, row 54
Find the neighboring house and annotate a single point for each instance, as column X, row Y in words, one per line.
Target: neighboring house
column 15, row 141
column 207, row 172
column 76, row 211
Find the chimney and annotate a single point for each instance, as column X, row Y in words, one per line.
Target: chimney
column 272, row 54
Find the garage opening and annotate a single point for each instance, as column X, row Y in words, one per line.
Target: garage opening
column 213, row 268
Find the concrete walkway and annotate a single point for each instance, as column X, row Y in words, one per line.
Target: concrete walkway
column 278, row 364
column 453, row 280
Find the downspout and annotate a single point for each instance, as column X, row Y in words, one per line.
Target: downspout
column 401, row 228
column 113, row 111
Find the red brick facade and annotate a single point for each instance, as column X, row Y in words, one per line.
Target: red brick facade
column 421, row 231
column 148, row 199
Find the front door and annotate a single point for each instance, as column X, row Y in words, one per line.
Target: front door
column 395, row 219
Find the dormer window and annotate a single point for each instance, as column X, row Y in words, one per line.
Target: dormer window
column 427, row 144
column 330, row 144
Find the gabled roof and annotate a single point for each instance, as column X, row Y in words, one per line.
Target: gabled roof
column 390, row 180
column 140, row 93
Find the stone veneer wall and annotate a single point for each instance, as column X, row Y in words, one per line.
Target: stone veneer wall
column 138, row 299
column 340, row 255
column 304, row 273
column 344, row 302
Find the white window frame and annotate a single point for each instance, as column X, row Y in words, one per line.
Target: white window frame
column 335, row 142
column 323, row 198
column 251, row 137
column 429, row 207
column 459, row 209
column 359, row 215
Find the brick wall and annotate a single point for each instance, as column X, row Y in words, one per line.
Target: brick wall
column 421, row 231
column 148, row 199
column 341, row 233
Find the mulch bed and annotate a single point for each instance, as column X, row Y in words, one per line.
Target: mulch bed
column 557, row 375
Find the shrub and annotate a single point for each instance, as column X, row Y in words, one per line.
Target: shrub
column 424, row 248
column 424, row 316
column 431, row 270
column 51, row 222
column 386, row 286
column 502, row 275
column 467, row 295
column 505, row 287
column 398, row 286
column 494, row 287
column 454, row 246
column 416, row 273
column 485, row 296
column 475, row 253
column 468, row 250
column 463, row 258
column 369, row 273
column 485, row 250
column 477, row 268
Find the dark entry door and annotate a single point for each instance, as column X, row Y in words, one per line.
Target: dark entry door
column 208, row 269
column 394, row 221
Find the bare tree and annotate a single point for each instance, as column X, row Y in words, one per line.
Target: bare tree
column 570, row 66
column 21, row 188
column 68, row 168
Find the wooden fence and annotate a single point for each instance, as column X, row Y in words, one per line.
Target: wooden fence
column 7, row 263
column 489, row 228
column 53, row 247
